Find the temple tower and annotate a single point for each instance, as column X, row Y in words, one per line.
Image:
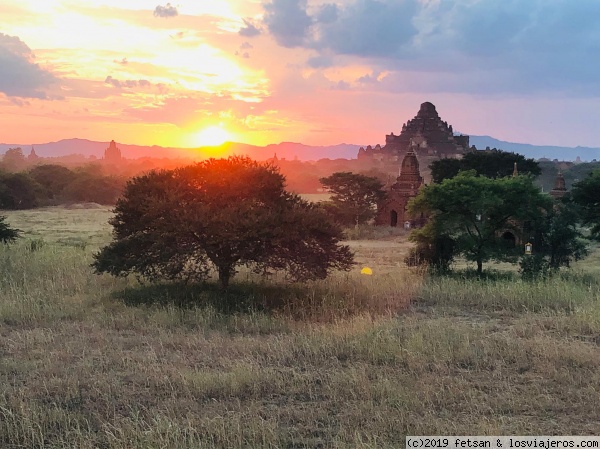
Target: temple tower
column 393, row 211
column 112, row 154
column 560, row 188
column 32, row 155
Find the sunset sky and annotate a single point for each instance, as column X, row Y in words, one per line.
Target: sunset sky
column 197, row 72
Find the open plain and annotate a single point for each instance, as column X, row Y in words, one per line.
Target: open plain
column 91, row 361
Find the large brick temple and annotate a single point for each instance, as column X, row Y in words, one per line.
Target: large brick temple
column 426, row 135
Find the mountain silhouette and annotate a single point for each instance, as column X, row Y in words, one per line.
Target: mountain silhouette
column 286, row 150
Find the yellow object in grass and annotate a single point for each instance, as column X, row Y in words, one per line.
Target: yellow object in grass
column 366, row 270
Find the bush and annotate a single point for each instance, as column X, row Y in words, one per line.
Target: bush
column 534, row 267
column 437, row 254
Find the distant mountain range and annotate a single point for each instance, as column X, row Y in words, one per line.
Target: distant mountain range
column 586, row 154
column 284, row 150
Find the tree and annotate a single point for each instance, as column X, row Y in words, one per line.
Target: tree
column 436, row 251
column 491, row 163
column 354, row 196
column 478, row 214
column 586, row 194
column 557, row 238
column 53, row 178
column 221, row 214
column 7, row 234
column 91, row 188
column 19, row 191
column 14, row 160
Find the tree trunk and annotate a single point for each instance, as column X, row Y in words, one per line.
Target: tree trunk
column 224, row 276
column 479, row 267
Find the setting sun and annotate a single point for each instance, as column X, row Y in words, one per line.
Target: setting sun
column 212, row 136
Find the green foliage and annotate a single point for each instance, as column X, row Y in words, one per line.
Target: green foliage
column 19, row 191
column 354, row 197
column 534, row 267
column 586, row 194
column 89, row 185
column 474, row 211
column 53, row 178
column 7, row 234
column 219, row 214
column 558, row 237
column 53, row 184
column 491, row 163
column 14, row 160
column 434, row 251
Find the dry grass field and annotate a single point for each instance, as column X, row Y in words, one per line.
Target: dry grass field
column 355, row 361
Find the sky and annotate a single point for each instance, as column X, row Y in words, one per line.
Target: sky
column 320, row 72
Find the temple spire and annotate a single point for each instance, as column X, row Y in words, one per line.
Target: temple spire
column 560, row 187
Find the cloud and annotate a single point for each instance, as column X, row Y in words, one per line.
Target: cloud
column 246, row 46
column 165, row 11
column 320, row 61
column 288, row 21
column 123, row 61
column 368, row 28
column 127, row 84
column 516, row 46
column 369, row 78
column 249, row 29
column 328, row 13
column 187, row 110
column 19, row 75
column 361, row 27
column 471, row 46
column 341, row 85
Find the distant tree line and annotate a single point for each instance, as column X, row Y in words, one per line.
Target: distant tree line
column 491, row 163
column 48, row 185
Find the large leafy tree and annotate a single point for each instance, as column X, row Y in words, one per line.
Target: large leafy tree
column 473, row 212
column 491, row 163
column 558, row 238
column 586, row 194
column 354, row 197
column 221, row 214
column 7, row 234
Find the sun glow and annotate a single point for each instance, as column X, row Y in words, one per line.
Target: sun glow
column 211, row 137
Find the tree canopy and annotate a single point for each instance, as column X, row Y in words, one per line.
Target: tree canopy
column 13, row 160
column 491, row 163
column 558, row 237
column 221, row 214
column 53, row 178
column 19, row 191
column 586, row 194
column 354, row 196
column 7, row 234
column 478, row 217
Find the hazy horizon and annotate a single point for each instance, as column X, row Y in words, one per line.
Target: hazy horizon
column 192, row 74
